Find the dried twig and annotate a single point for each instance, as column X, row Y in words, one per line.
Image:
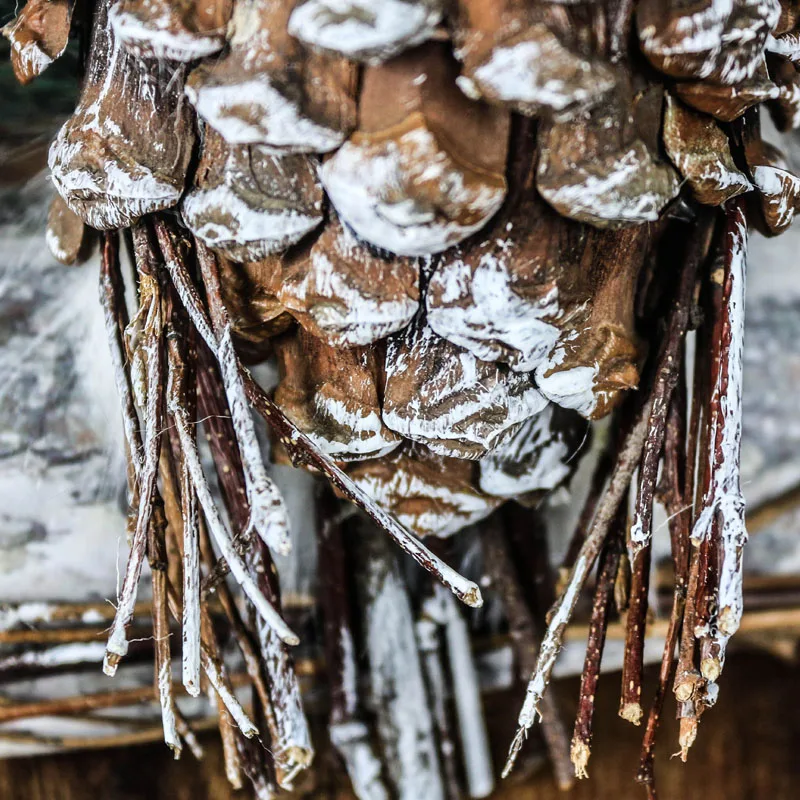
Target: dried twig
column 627, row 462
column 672, row 495
column 580, row 749
column 146, row 333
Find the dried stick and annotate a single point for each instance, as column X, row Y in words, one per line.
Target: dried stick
column 190, row 622
column 723, row 503
column 146, row 330
column 672, row 495
column 628, row 460
column 217, row 527
column 349, row 732
column 156, row 553
column 600, row 475
column 297, row 444
column 665, row 379
column 15, row 614
column 502, row 575
column 64, row 706
column 115, row 314
column 186, row 732
column 291, row 743
column 630, row 707
column 581, row 747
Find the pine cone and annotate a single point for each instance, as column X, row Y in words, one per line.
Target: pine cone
column 439, row 196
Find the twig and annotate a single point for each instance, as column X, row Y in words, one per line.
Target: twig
column 300, row 447
column 115, row 314
column 215, row 524
column 156, row 553
column 600, row 475
column 672, row 495
column 291, row 744
column 64, row 706
column 146, row 330
column 581, row 747
column 665, row 379
column 630, row 707
column 723, row 504
column 627, row 462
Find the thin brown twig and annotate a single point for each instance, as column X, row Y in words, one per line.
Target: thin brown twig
column 671, row 494
column 581, row 748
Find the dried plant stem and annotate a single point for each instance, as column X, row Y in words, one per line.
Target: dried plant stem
column 581, row 747
column 721, row 519
column 299, row 446
column 230, row 753
column 291, row 743
column 156, row 552
column 666, row 374
column 115, row 314
column 148, row 370
column 600, row 475
column 63, row 706
column 216, row 526
column 88, row 614
column 672, row 495
column 628, row 460
column 190, row 622
column 630, row 708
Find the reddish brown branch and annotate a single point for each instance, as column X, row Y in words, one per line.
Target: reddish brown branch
column 581, row 747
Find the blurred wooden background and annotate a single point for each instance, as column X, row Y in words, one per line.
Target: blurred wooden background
column 748, row 749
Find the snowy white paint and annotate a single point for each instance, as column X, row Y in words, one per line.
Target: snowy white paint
column 485, row 310
column 460, row 406
column 268, row 515
column 363, row 29
column 372, row 189
column 535, row 458
column 724, row 500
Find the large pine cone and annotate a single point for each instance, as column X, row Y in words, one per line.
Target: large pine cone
column 448, row 285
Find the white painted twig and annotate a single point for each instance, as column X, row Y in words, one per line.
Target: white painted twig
column 190, row 623
column 218, row 530
column 221, row 687
column 268, row 514
column 151, row 354
column 724, row 500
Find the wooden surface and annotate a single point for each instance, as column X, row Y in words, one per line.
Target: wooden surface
column 748, row 749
